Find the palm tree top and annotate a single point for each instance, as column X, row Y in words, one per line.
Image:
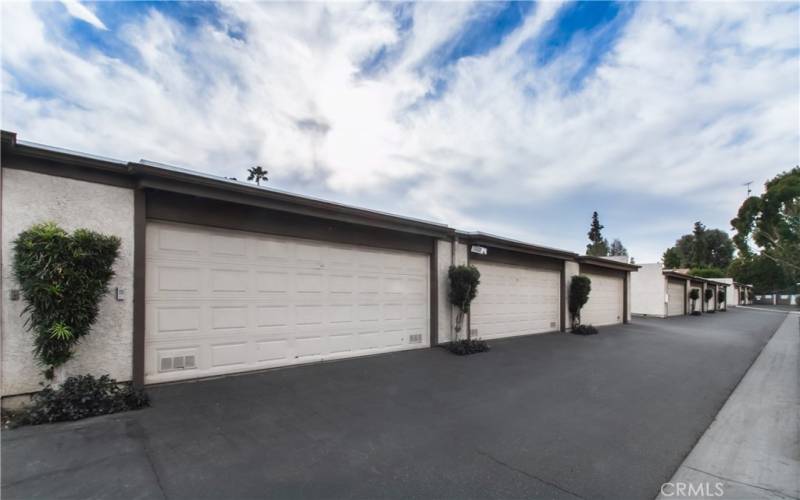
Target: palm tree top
column 257, row 174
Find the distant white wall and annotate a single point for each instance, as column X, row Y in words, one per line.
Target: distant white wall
column 649, row 291
column 29, row 198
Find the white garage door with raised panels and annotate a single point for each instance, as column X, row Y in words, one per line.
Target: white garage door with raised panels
column 221, row 301
column 675, row 295
column 515, row 300
column 605, row 301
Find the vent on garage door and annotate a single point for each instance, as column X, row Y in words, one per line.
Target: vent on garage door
column 172, row 363
column 415, row 338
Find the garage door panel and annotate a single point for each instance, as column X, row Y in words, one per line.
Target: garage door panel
column 675, row 298
column 223, row 296
column 514, row 300
column 605, row 304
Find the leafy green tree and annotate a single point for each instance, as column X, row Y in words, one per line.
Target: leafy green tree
column 703, row 248
column 772, row 222
column 257, row 174
column 671, row 258
column 763, row 273
column 617, row 249
column 599, row 245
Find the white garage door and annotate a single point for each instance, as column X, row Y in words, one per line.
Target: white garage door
column 605, row 301
column 515, row 300
column 675, row 294
column 222, row 301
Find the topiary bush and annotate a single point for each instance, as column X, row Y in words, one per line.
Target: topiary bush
column 464, row 281
column 721, row 300
column 62, row 278
column 80, row 397
column 579, row 289
column 708, row 295
column 694, row 294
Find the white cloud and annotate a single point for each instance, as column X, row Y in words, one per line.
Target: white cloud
column 80, row 11
column 660, row 116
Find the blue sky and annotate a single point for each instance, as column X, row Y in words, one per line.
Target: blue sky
column 515, row 118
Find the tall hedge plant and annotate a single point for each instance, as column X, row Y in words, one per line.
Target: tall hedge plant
column 62, row 278
column 579, row 289
column 464, row 281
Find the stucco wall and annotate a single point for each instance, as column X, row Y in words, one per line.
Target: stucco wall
column 444, row 259
column 648, row 291
column 29, row 198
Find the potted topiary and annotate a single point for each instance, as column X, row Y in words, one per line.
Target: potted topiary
column 694, row 295
column 579, row 289
column 709, row 294
column 464, row 281
column 721, row 301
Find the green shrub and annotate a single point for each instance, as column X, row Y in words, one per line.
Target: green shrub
column 584, row 330
column 80, row 397
column 464, row 281
column 694, row 294
column 707, row 272
column 467, row 346
column 721, row 296
column 579, row 289
column 62, row 278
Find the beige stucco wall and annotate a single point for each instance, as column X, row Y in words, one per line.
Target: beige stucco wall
column 447, row 313
column 570, row 269
column 29, row 198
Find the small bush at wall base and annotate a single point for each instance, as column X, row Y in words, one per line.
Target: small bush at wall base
column 81, row 397
column 697, row 313
column 584, row 330
column 465, row 347
column 710, row 312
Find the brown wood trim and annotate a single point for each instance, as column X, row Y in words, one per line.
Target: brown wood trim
column 504, row 256
column 563, row 308
column 603, row 271
column 685, row 297
column 434, row 291
column 139, row 255
column 625, row 291
column 186, row 209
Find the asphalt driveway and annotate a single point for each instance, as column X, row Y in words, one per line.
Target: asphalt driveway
column 546, row 416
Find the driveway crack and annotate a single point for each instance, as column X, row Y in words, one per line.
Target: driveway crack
column 526, row 473
column 743, row 483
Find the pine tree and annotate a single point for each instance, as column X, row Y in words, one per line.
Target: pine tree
column 617, row 249
column 599, row 245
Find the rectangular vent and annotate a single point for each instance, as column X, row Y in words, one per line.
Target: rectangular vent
column 168, row 364
column 473, row 332
column 415, row 339
column 552, row 324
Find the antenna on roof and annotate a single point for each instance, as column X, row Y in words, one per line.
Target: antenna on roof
column 748, row 187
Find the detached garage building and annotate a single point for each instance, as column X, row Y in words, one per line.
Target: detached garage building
column 217, row 276
column 665, row 292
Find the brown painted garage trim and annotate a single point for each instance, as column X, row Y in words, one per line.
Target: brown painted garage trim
column 503, row 256
column 434, row 291
column 232, row 191
column 139, row 266
column 563, row 306
column 606, row 263
column 603, row 271
column 625, row 294
column 171, row 207
column 488, row 240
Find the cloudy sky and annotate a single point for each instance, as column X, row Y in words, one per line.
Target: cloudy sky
column 517, row 119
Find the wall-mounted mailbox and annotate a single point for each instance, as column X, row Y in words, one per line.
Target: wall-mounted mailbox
column 478, row 250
